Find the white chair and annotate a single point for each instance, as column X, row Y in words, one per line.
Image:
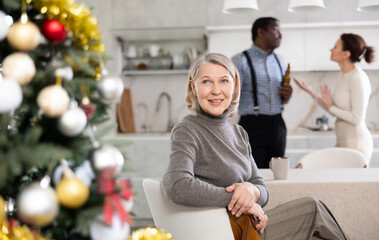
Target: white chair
column 336, row 157
column 186, row 223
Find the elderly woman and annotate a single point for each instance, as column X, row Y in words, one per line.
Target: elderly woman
column 211, row 164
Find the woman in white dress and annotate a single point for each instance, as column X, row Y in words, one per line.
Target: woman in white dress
column 349, row 100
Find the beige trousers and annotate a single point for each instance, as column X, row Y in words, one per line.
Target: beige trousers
column 302, row 219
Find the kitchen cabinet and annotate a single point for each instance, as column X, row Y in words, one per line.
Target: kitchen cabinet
column 159, row 51
column 305, row 45
column 318, row 39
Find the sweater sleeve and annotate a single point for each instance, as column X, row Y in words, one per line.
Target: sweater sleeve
column 358, row 101
column 179, row 183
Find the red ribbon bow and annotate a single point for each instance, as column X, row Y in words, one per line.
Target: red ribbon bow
column 114, row 190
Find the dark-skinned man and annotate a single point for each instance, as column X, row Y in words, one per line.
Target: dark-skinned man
column 263, row 94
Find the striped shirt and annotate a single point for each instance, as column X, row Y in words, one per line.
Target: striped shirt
column 268, row 78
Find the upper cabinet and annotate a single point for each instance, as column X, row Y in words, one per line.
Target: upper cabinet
column 305, row 46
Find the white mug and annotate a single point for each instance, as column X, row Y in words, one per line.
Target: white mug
column 154, row 50
column 132, row 51
column 279, row 166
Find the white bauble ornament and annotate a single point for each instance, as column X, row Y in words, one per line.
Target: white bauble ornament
column 24, row 36
column 84, row 173
column 53, row 100
column 19, row 67
column 107, row 157
column 73, row 121
column 36, row 205
column 110, row 87
column 65, row 73
column 117, row 231
column 10, row 95
column 4, row 27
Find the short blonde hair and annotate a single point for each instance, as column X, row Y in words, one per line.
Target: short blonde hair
column 219, row 59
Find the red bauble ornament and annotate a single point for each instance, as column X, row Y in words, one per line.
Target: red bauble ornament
column 53, row 31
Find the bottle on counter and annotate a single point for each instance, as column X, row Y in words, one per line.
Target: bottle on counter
column 287, row 76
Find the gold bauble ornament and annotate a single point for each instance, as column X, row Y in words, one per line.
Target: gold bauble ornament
column 53, row 100
column 150, row 233
column 37, row 204
column 72, row 193
column 19, row 67
column 24, row 36
column 17, row 232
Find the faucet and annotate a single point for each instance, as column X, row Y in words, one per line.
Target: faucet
column 170, row 123
column 146, row 125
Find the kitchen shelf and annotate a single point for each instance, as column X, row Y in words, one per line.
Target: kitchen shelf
column 148, row 63
column 160, row 34
column 177, row 49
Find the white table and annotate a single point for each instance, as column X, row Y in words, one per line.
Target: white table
column 351, row 194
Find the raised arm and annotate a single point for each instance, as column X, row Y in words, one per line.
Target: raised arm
column 324, row 100
column 306, row 88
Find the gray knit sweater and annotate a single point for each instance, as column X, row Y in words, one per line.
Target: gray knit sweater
column 209, row 154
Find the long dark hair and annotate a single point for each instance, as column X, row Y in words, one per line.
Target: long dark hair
column 357, row 48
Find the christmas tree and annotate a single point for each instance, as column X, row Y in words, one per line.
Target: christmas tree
column 57, row 179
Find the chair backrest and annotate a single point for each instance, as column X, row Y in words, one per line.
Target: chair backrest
column 336, row 157
column 186, row 223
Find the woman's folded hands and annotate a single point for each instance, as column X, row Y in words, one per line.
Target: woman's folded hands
column 243, row 201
